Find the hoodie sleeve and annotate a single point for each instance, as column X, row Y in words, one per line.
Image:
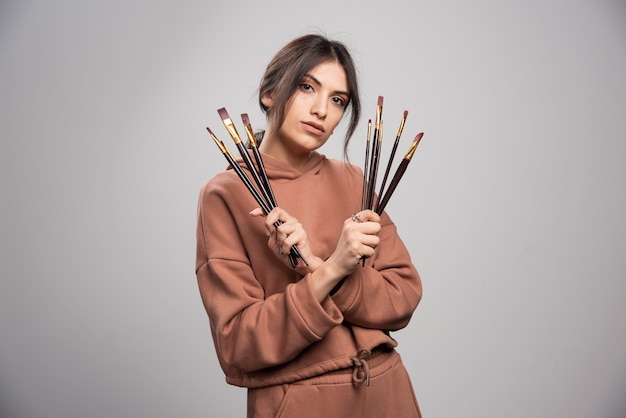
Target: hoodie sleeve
column 251, row 331
column 385, row 293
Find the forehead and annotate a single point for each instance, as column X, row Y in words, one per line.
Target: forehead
column 330, row 75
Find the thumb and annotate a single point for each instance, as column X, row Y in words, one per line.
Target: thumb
column 256, row 212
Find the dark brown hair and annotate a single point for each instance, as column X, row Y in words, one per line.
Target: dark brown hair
column 291, row 63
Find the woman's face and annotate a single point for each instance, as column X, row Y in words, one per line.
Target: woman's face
column 311, row 115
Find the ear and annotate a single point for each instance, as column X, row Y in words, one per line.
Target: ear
column 267, row 99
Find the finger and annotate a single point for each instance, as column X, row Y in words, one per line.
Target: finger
column 286, row 229
column 371, row 241
column 278, row 215
column 365, row 252
column 356, row 217
column 367, row 216
column 256, row 212
column 295, row 239
column 360, row 230
column 272, row 217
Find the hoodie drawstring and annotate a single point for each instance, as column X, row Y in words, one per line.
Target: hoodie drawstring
column 361, row 372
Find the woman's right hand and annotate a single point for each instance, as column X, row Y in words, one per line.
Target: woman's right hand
column 283, row 237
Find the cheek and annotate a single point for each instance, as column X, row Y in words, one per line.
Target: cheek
column 336, row 118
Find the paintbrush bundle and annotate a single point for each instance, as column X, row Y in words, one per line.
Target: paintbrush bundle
column 260, row 189
column 371, row 200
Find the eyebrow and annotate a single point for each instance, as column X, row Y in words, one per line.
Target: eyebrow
column 320, row 84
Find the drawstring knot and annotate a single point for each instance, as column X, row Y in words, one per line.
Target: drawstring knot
column 361, row 372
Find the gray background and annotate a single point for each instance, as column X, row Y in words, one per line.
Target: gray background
column 513, row 207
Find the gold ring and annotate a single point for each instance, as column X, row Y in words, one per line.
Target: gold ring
column 356, row 218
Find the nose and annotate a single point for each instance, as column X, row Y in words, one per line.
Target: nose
column 319, row 107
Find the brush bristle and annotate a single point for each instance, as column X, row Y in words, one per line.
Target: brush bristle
column 406, row 113
column 210, row 131
column 418, row 137
column 223, row 113
column 245, row 119
column 380, row 100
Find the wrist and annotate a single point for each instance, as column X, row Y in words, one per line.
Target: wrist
column 325, row 279
column 314, row 264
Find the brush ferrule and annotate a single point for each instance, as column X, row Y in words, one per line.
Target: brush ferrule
column 250, row 135
column 379, row 112
column 219, row 143
column 411, row 151
column 401, row 128
column 230, row 127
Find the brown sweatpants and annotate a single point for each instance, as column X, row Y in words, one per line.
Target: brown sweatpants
column 337, row 394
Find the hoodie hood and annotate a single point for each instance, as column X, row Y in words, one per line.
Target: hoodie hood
column 279, row 170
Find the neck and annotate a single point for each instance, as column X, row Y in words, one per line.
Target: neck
column 272, row 145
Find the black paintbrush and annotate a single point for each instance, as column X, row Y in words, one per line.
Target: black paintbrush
column 257, row 157
column 375, row 157
column 265, row 206
column 391, row 156
column 263, row 174
column 398, row 174
column 366, row 166
column 230, row 127
column 242, row 175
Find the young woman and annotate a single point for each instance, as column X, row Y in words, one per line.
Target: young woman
column 307, row 341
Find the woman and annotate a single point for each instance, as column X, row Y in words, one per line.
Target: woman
column 310, row 340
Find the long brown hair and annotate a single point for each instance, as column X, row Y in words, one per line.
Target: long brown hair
column 286, row 69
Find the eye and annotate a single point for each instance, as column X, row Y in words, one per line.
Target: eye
column 340, row 101
column 306, row 87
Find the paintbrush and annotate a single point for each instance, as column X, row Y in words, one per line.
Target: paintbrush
column 257, row 157
column 374, row 166
column 263, row 174
column 260, row 176
column 232, row 130
column 391, row 156
column 242, row 175
column 366, row 165
column 376, row 145
column 265, row 206
column 399, row 173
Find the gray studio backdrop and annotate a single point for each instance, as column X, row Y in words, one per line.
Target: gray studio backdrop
column 513, row 207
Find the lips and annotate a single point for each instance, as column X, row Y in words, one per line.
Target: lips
column 314, row 128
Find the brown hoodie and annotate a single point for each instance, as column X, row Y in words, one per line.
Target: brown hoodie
column 266, row 324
